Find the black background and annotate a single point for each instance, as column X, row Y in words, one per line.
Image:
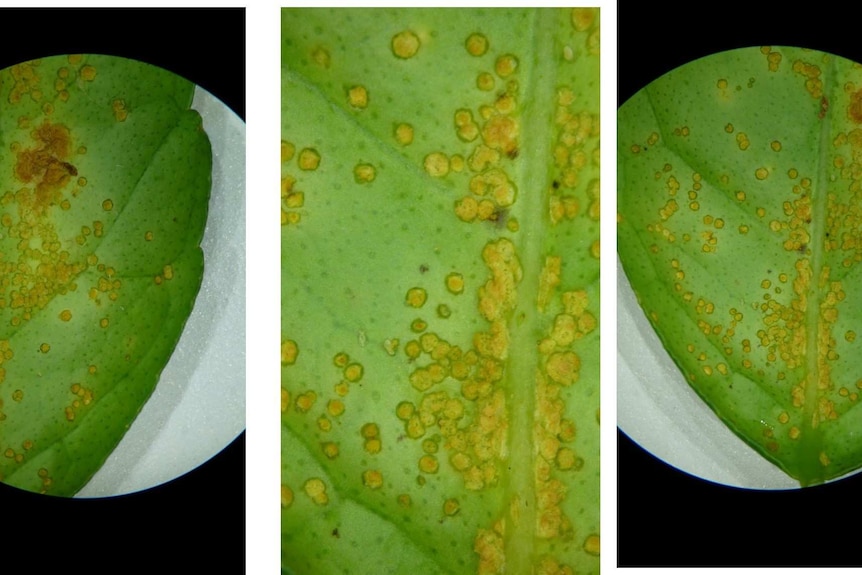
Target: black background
column 196, row 523
column 666, row 517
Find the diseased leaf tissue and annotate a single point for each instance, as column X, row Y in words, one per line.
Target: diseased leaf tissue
column 740, row 229
column 440, row 291
column 104, row 182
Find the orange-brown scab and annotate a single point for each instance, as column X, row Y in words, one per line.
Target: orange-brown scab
column 548, row 281
column 563, row 367
column 490, row 548
column 120, row 111
column 357, row 97
column 811, row 73
column 583, row 18
column 773, row 59
column 501, row 133
column 451, row 507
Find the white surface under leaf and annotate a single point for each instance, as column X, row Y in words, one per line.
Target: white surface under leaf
column 198, row 406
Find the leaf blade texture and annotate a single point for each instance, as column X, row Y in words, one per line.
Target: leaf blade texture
column 440, row 290
column 105, row 198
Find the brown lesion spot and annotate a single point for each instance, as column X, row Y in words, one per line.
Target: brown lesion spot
column 46, row 165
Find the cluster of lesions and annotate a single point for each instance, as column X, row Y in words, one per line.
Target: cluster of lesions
column 308, row 403
column 292, row 198
column 459, row 418
column 576, row 148
column 28, row 84
column 490, row 133
column 559, row 368
column 462, row 408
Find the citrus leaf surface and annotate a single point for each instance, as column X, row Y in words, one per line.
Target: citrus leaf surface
column 739, row 231
column 105, row 181
column 440, row 245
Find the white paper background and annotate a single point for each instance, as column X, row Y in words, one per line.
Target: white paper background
column 659, row 410
column 198, row 406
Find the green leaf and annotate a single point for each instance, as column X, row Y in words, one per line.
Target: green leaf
column 739, row 230
column 440, row 293
column 105, row 182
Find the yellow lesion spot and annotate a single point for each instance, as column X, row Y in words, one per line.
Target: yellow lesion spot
column 357, row 97
column 761, row 173
column 455, row 283
column 485, row 81
column 45, row 348
column 592, row 544
column 108, row 205
column 416, row 297
column 372, row 479
column 330, row 449
column 428, row 464
column 436, row 164
column 321, row 57
column 305, row 401
column 477, row 44
column 309, row 159
column 315, row 488
column 353, row 372
column 65, row 315
column 335, row 407
column 405, row 44
column 364, row 173
column 506, row 65
column 451, row 507
column 404, row 134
